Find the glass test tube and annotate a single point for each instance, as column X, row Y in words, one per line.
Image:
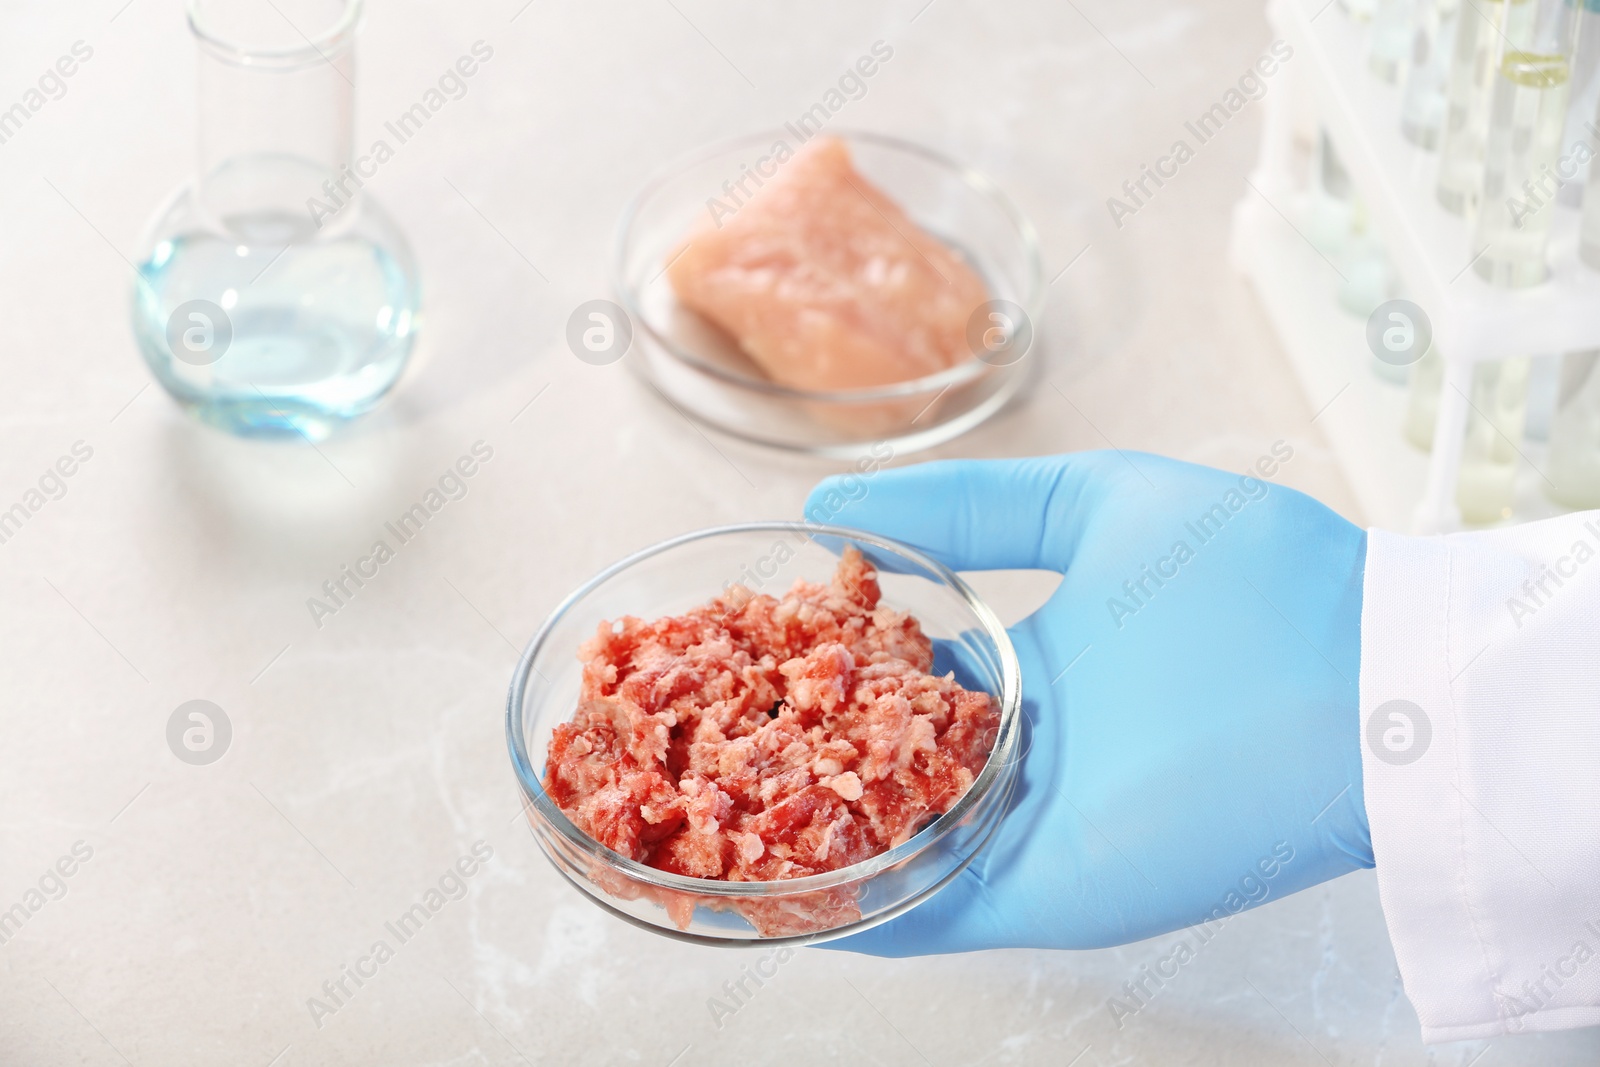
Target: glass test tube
column 1543, row 372
column 1486, row 482
column 1589, row 233
column 1583, row 123
column 1422, row 408
column 1482, row 27
column 1574, row 457
column 1422, row 105
column 1583, row 102
column 1367, row 276
column 1526, row 119
column 1389, row 41
column 1329, row 218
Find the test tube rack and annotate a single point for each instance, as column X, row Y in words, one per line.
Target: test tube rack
column 1398, row 487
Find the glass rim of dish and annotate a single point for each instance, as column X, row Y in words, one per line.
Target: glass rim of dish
column 958, row 374
column 993, row 772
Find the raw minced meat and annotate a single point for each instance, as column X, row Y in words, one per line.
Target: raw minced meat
column 756, row 738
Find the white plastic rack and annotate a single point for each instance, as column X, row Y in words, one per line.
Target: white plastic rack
column 1398, row 487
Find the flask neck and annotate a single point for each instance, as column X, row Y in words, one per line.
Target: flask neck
column 276, row 105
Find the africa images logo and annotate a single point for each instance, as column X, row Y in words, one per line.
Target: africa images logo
column 1399, row 732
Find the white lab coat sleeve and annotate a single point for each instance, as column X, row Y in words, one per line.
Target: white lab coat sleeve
column 1480, row 716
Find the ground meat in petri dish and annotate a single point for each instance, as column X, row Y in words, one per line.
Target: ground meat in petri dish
column 758, row 738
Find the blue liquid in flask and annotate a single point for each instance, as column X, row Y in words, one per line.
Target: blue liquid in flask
column 264, row 337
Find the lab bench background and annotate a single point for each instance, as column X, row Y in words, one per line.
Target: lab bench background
column 367, row 752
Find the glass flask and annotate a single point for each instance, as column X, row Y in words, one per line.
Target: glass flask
column 1526, row 118
column 1486, row 483
column 1574, row 456
column 1482, row 28
column 1422, row 104
column 1389, row 40
column 275, row 297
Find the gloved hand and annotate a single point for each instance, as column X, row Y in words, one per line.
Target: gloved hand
column 1191, row 688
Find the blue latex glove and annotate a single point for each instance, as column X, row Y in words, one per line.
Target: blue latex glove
column 1194, row 744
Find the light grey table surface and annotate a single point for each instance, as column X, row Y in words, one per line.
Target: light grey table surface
column 368, row 755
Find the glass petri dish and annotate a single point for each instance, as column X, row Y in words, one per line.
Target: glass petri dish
column 701, row 369
column 676, row 575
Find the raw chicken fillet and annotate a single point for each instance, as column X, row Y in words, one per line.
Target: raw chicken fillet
column 756, row 739
column 826, row 284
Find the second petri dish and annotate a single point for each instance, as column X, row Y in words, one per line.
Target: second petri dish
column 702, row 370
